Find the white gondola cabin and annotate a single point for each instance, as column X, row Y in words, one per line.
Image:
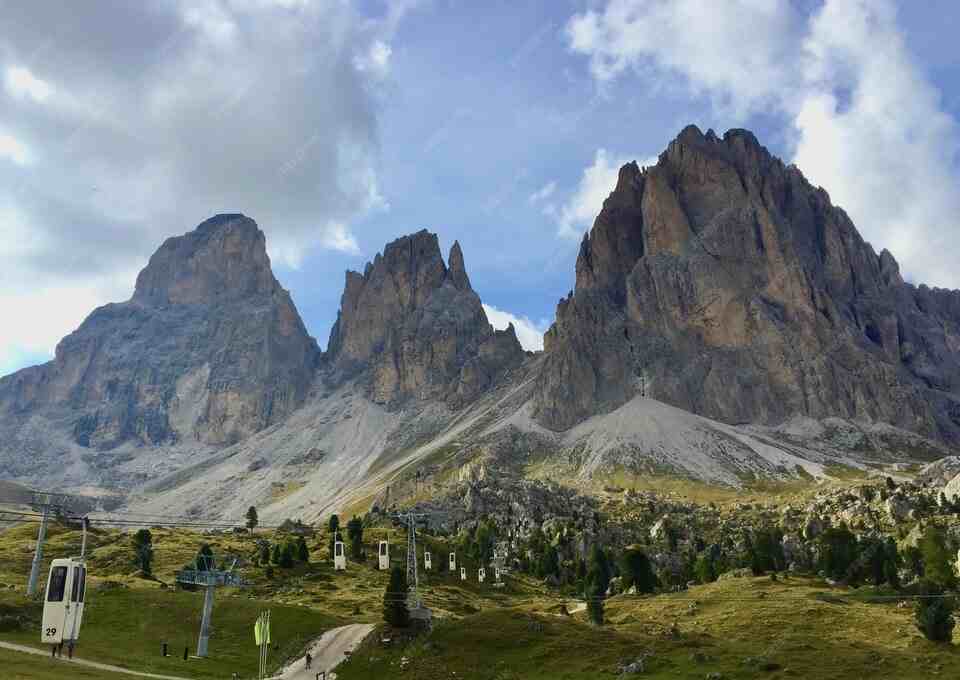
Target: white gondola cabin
column 339, row 557
column 453, row 562
column 481, row 575
column 63, row 603
column 463, row 573
column 427, row 562
column 384, row 556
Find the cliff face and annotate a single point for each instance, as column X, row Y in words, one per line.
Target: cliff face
column 722, row 282
column 209, row 348
column 416, row 329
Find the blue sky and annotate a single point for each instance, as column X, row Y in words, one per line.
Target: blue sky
column 339, row 127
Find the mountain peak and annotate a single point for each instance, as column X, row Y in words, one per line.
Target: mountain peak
column 225, row 256
column 210, row 348
column 416, row 328
column 722, row 282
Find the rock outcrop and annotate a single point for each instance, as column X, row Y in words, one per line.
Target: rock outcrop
column 415, row 328
column 720, row 281
column 209, row 348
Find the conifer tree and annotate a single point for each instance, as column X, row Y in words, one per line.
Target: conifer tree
column 395, row 610
column 143, row 549
column 355, row 534
column 636, row 570
column 303, row 553
column 252, row 519
column 933, row 613
column 937, row 565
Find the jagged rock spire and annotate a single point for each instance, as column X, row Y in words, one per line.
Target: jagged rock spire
column 416, row 328
column 457, row 271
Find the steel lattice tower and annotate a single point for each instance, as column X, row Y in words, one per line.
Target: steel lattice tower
column 413, row 578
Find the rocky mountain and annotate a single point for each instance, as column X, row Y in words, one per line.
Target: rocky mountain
column 417, row 329
column 720, row 281
column 727, row 324
column 210, row 348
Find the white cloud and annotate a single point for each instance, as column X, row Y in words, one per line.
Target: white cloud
column 38, row 316
column 733, row 54
column 886, row 152
column 20, row 83
column 529, row 333
column 865, row 122
column 338, row 237
column 12, row 149
column 376, row 60
column 598, row 180
column 543, row 193
column 187, row 110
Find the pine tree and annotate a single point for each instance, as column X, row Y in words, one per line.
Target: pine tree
column 355, row 533
column 838, row 551
column 705, row 570
column 765, row 552
column 252, row 519
column 601, row 568
column 549, row 563
column 891, row 565
column 288, row 555
column 265, row 553
column 204, row 559
column 395, row 600
column 636, row 570
column 937, row 565
column 303, row 553
column 934, row 614
column 143, row 549
column 596, row 594
column 276, row 553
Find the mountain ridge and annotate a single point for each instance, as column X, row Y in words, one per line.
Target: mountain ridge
column 700, row 282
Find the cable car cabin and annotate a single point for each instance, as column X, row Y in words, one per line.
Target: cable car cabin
column 384, row 553
column 453, row 562
column 63, row 604
column 481, row 575
column 339, row 557
column 427, row 562
column 463, row 573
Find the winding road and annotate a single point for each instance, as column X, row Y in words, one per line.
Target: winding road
column 327, row 651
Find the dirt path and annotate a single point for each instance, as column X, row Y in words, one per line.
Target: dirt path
column 327, row 652
column 82, row 662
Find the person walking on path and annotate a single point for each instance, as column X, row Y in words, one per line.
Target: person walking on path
column 309, row 659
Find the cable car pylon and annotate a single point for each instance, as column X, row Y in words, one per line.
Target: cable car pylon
column 46, row 503
column 418, row 612
column 209, row 577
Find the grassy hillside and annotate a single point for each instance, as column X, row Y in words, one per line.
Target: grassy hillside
column 739, row 628
column 127, row 616
column 18, row 666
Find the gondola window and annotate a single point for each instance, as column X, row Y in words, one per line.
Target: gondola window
column 76, row 594
column 58, row 583
column 83, row 583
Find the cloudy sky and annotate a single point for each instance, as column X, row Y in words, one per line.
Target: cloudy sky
column 339, row 126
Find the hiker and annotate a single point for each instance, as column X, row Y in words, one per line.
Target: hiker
column 309, row 659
